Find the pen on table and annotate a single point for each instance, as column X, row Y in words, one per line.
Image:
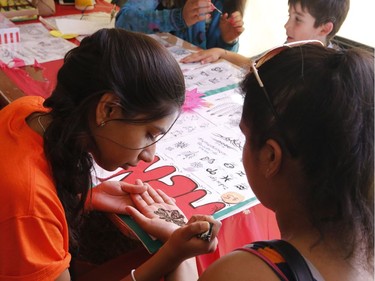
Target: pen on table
column 216, row 8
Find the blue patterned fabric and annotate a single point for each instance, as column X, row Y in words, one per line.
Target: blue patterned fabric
column 149, row 16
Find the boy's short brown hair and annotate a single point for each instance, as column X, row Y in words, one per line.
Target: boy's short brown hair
column 324, row 11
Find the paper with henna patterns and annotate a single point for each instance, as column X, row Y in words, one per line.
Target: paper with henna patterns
column 199, row 162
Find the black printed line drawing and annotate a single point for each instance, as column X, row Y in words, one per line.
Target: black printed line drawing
column 189, row 77
column 226, row 109
column 181, row 144
column 235, row 121
column 241, row 173
column 211, row 171
column 217, row 69
column 197, row 165
column 234, row 142
column 214, row 80
column 176, row 133
column 241, row 186
column 229, row 165
column 188, row 154
column 208, row 159
column 180, row 52
column 226, row 178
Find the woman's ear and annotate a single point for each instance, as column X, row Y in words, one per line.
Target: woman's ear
column 272, row 157
column 106, row 108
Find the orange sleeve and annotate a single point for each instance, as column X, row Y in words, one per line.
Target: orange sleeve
column 33, row 249
column 34, row 238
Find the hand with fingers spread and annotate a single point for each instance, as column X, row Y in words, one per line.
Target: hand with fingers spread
column 196, row 10
column 156, row 213
column 113, row 196
column 204, row 56
column 231, row 27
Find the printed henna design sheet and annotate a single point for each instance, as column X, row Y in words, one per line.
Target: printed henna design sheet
column 199, row 162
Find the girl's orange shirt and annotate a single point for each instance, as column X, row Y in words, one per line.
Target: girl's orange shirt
column 33, row 229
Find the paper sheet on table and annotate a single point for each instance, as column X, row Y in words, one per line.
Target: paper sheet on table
column 36, row 45
column 75, row 26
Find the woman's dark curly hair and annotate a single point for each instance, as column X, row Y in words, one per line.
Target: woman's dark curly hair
column 325, row 102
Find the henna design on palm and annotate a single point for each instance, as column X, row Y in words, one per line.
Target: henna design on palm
column 173, row 216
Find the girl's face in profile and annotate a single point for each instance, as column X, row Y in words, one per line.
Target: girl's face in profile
column 123, row 144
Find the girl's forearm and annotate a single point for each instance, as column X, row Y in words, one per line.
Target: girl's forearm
column 162, row 263
column 186, row 271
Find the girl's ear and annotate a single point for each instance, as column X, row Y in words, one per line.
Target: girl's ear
column 272, row 156
column 105, row 108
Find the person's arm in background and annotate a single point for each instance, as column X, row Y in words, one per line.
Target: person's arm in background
column 225, row 26
column 214, row 54
column 143, row 16
column 230, row 28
